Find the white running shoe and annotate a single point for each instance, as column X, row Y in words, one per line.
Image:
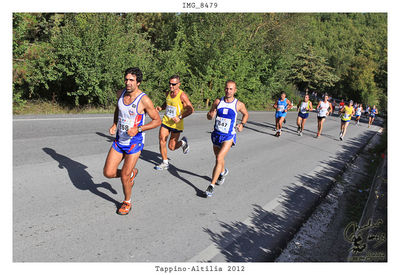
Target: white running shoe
column 162, row 166
column 185, row 147
column 221, row 178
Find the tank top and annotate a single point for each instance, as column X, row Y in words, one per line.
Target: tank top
column 346, row 116
column 323, row 109
column 281, row 106
column 358, row 111
column 174, row 108
column 373, row 112
column 226, row 117
column 128, row 117
column 303, row 107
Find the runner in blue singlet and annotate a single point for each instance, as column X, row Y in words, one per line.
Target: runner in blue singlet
column 372, row 114
column 281, row 106
column 223, row 137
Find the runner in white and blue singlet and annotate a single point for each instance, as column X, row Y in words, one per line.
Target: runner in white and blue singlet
column 358, row 113
column 223, row 137
column 129, row 126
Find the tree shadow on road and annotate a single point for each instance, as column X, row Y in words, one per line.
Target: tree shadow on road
column 266, row 233
column 80, row 178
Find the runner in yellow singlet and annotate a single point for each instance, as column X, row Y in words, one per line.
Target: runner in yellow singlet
column 177, row 106
column 346, row 113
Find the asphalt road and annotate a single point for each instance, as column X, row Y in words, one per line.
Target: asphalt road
column 64, row 209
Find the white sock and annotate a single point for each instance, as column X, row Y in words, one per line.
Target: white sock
column 183, row 142
column 128, row 201
column 165, row 161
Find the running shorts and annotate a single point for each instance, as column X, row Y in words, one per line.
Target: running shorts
column 171, row 129
column 280, row 114
column 127, row 149
column 304, row 116
column 217, row 139
column 321, row 117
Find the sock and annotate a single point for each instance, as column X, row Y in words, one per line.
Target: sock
column 165, row 161
column 128, row 201
column 183, row 142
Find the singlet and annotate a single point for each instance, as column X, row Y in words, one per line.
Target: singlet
column 226, row 117
column 346, row 116
column 373, row 112
column 305, row 105
column 323, row 109
column 282, row 104
column 129, row 117
column 174, row 108
column 358, row 111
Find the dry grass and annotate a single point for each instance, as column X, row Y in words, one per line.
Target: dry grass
column 47, row 108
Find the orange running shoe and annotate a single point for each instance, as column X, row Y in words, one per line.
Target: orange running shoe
column 125, row 208
column 133, row 175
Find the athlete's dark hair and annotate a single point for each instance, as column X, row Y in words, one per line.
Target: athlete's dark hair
column 135, row 71
column 175, row 76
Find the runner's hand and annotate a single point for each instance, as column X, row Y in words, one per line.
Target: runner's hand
column 176, row 119
column 158, row 108
column 132, row 131
column 113, row 130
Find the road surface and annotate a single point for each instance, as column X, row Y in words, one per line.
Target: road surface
column 64, row 209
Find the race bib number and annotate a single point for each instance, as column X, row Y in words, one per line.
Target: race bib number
column 346, row 116
column 170, row 111
column 222, row 124
column 281, row 108
column 124, row 125
column 322, row 112
column 303, row 108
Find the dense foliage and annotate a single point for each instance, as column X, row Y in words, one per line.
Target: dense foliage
column 79, row 59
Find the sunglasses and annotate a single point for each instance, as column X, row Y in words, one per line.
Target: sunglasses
column 173, row 84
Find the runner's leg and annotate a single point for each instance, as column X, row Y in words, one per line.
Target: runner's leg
column 220, row 154
column 163, row 137
column 113, row 160
column 127, row 168
column 174, row 142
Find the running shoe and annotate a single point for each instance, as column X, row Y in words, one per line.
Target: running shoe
column 221, row 177
column 185, row 147
column 135, row 172
column 210, row 190
column 300, row 133
column 341, row 138
column 162, row 166
column 284, row 121
column 298, row 129
column 125, row 208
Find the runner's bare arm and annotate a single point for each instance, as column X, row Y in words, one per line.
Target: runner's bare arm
column 113, row 128
column 242, row 108
column 275, row 105
column 213, row 110
column 187, row 108
column 148, row 107
column 187, row 105
column 153, row 114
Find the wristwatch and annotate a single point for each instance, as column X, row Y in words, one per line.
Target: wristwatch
column 140, row 129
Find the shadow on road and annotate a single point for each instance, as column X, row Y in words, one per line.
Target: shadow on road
column 270, row 231
column 80, row 178
column 155, row 159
